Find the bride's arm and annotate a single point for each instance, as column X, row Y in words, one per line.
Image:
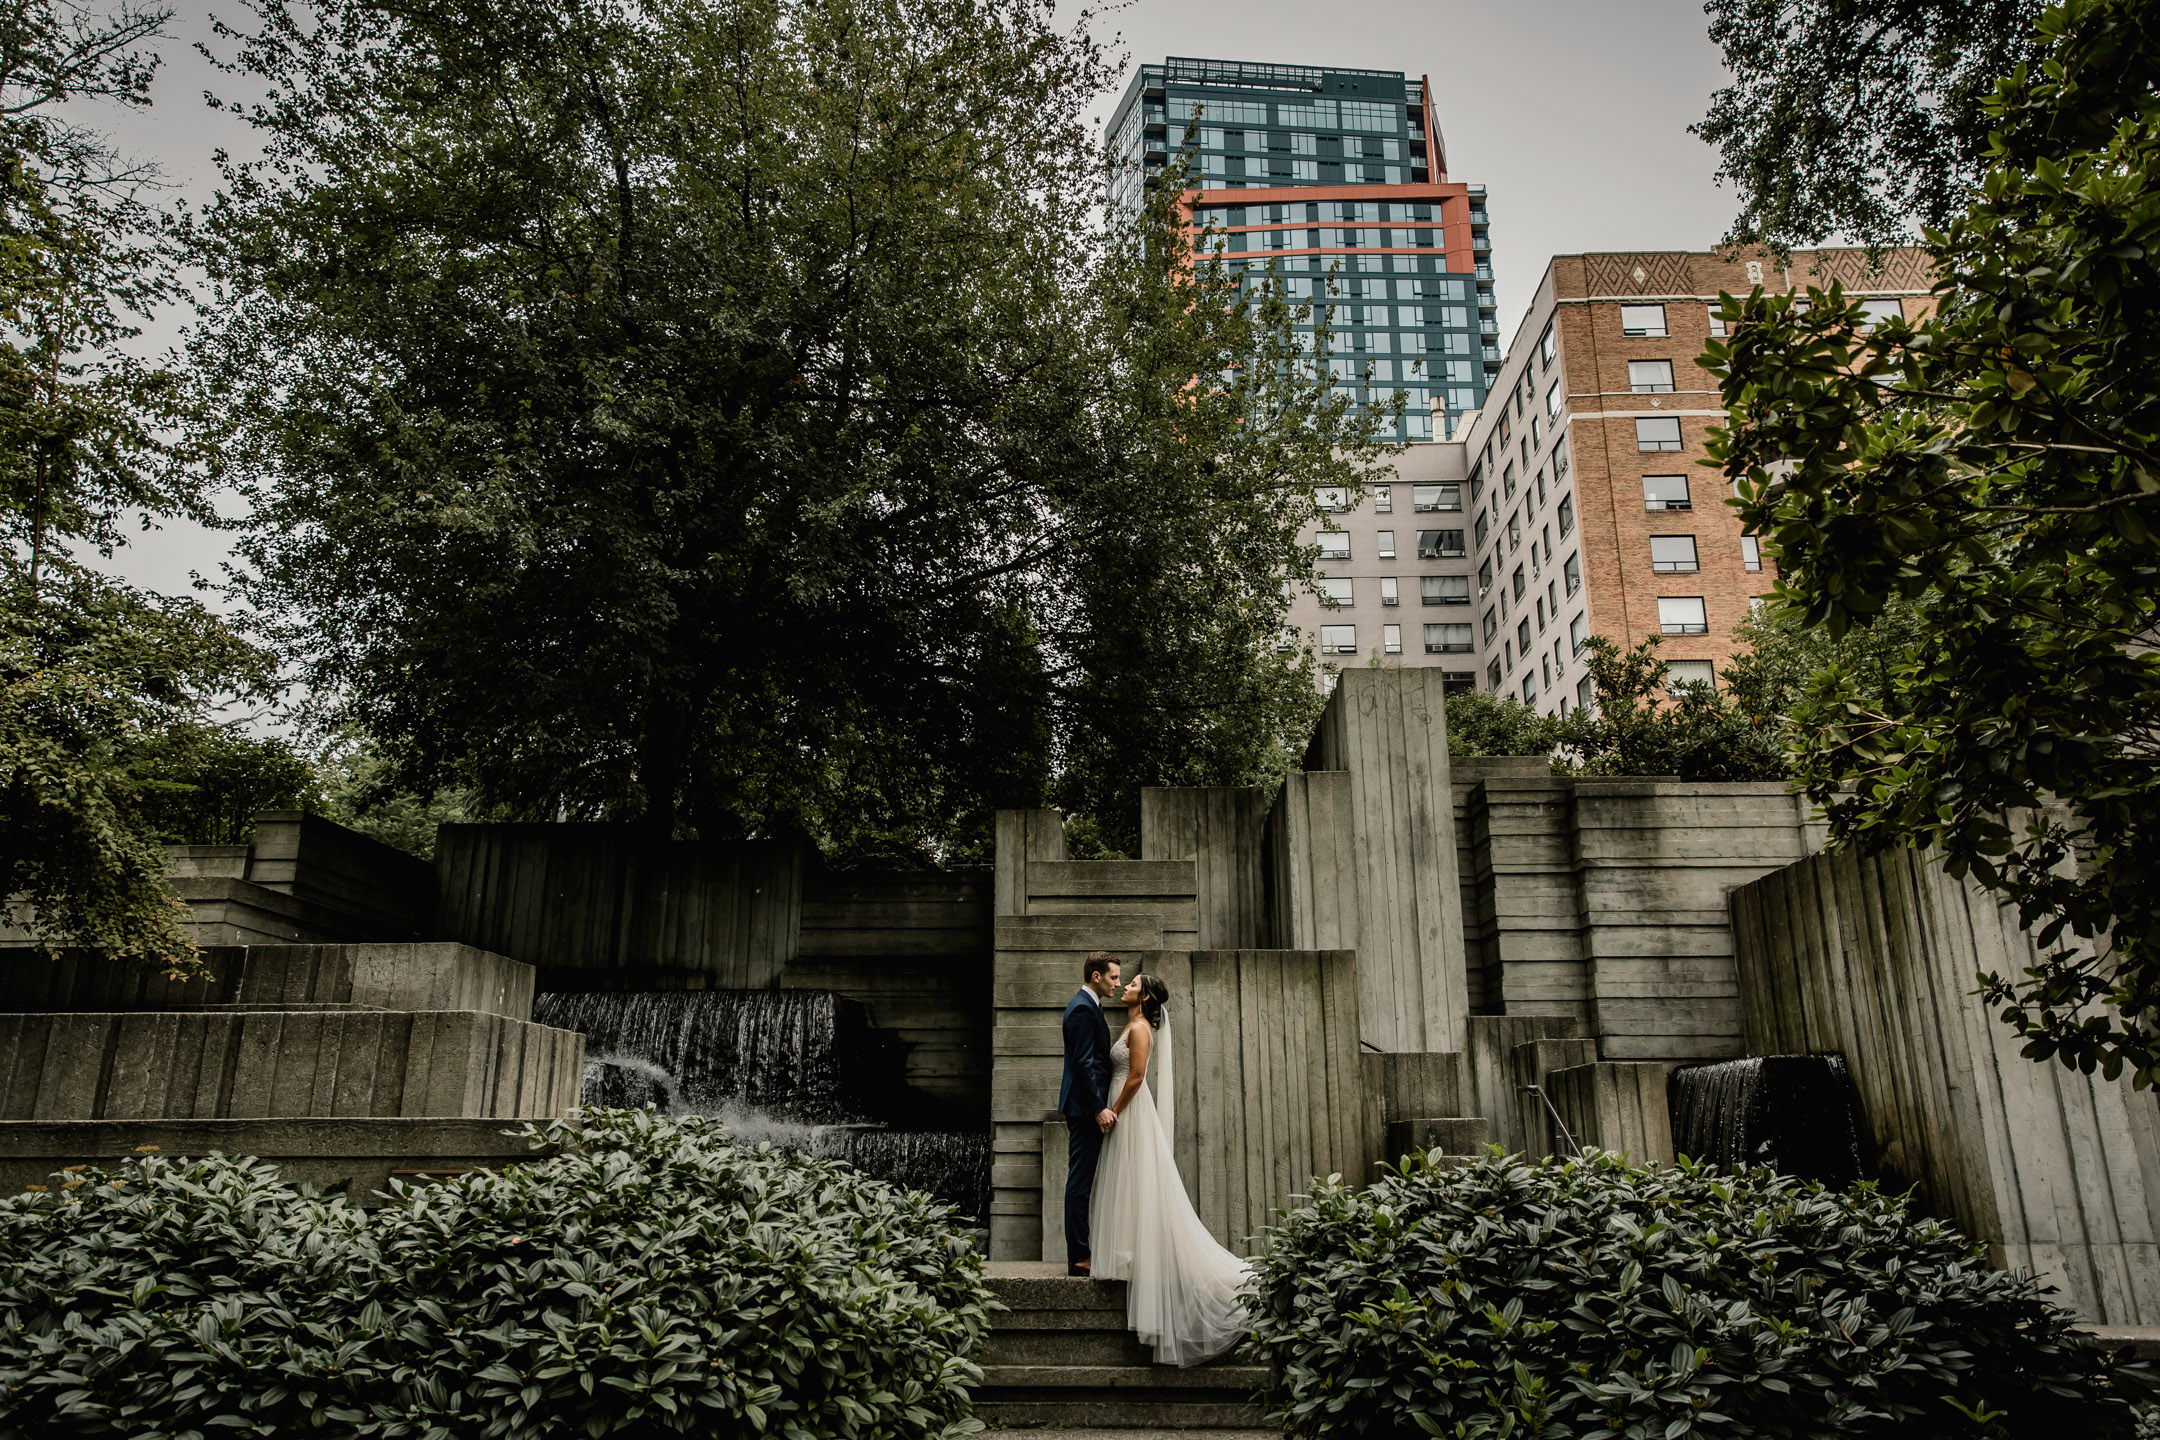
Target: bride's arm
column 1142, row 1041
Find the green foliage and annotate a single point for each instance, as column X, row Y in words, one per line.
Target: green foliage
column 1857, row 118
column 212, row 779
column 651, row 1278
column 1645, row 725
column 85, row 426
column 99, row 686
column 1482, row 723
column 360, row 792
column 721, row 414
column 1998, row 467
column 1590, row 1299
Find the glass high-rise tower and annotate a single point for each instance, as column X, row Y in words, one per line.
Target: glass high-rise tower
column 1335, row 182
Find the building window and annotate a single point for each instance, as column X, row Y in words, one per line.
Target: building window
column 1444, row 589
column 1507, row 481
column 1689, row 672
column 1436, row 497
column 1750, row 553
column 1447, row 639
column 1484, row 525
column 1386, row 541
column 1333, row 499
column 1389, row 594
column 1717, row 324
column 1673, row 554
column 1664, row 492
column 1554, row 400
column 1517, row 581
column 1335, row 591
column 1492, row 676
column 1492, row 627
column 1578, row 633
column 1879, row 311
column 1645, row 320
column 1338, row 639
column 1567, row 515
column 1383, row 500
column 1522, row 635
column 1657, row 432
column 1484, row 576
column 1391, row 639
column 1544, row 666
column 1440, row 545
column 1585, row 696
column 1529, row 689
column 1682, row 615
column 1571, row 573
column 1650, row 377
column 1549, row 343
column 1334, row 545
column 1560, row 460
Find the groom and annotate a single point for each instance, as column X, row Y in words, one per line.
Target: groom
column 1084, row 1097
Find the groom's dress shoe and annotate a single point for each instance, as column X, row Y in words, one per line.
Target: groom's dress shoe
column 1080, row 1269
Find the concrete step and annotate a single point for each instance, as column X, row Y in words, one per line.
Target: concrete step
column 1065, row 1347
column 1218, row 1376
column 1095, row 1414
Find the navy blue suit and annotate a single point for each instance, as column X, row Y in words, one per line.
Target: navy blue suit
column 1084, row 1094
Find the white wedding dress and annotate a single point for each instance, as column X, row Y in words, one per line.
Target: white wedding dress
column 1183, row 1291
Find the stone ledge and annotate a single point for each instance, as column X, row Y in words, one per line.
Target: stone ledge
column 355, row 1156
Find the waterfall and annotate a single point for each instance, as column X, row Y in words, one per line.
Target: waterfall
column 1795, row 1113
column 801, row 1069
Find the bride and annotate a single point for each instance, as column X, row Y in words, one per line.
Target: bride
column 1183, row 1290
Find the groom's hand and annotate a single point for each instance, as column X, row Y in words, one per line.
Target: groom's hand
column 1106, row 1119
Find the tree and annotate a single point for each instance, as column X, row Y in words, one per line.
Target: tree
column 1998, row 466
column 1857, row 118
column 96, row 683
column 1482, row 723
column 1643, row 724
column 84, row 424
column 721, row 415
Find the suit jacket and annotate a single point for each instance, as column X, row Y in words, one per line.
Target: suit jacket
column 1086, row 1087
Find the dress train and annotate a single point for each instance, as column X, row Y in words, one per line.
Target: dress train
column 1183, row 1291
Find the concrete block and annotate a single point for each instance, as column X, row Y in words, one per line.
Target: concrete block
column 1449, row 1135
column 285, row 1064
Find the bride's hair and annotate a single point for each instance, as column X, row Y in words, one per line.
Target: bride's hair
column 1153, row 995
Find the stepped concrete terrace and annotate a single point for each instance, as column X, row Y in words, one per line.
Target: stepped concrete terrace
column 1060, row 1356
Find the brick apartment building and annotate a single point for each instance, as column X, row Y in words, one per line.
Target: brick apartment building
column 1589, row 510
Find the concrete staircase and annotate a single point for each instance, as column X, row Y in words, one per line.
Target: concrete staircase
column 1060, row 1358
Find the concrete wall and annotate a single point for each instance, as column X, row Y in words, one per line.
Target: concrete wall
column 608, row 906
column 1050, row 912
column 1221, row 831
column 85, row 1065
column 1387, row 729
column 914, row 951
column 1875, row 957
column 382, row 977
column 1604, row 900
column 352, row 1155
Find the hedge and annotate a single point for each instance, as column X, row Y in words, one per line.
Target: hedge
column 650, row 1277
column 1590, row 1299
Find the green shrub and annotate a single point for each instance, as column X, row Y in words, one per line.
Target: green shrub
column 1588, row 1299
column 650, row 1278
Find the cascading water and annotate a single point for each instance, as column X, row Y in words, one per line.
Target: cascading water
column 1795, row 1113
column 796, row 1068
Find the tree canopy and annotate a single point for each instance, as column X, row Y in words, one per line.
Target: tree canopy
column 1860, row 119
column 729, row 415
column 1997, row 465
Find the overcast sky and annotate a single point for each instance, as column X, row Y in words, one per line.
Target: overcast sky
column 1572, row 113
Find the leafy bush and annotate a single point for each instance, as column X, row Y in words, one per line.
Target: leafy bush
column 650, row 1278
column 1589, row 1299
